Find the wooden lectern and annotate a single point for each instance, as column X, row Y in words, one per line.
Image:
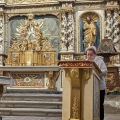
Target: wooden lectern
column 81, row 90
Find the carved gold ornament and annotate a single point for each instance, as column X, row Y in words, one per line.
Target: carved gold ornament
column 86, row 74
column 22, row 79
column 29, row 47
column 113, row 60
column 110, row 78
column 76, row 64
column 116, row 89
column 75, row 109
column 93, row 16
column 74, row 72
column 29, row 30
column 66, row 57
column 52, row 76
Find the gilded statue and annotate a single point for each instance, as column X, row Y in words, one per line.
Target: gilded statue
column 90, row 30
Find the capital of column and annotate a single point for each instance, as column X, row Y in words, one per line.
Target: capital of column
column 67, row 6
column 112, row 5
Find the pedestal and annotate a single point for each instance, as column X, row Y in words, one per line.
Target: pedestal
column 81, row 88
column 3, row 82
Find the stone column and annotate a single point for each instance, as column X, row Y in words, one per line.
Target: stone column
column 111, row 14
column 70, row 26
column 109, row 22
column 2, row 55
column 116, row 32
column 64, row 33
column 116, row 26
column 67, row 30
column 112, row 24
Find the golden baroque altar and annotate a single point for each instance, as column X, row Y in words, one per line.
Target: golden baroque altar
column 29, row 48
column 44, row 55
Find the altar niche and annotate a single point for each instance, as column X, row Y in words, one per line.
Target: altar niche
column 90, row 30
column 33, row 41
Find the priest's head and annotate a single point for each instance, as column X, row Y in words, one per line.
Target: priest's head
column 90, row 52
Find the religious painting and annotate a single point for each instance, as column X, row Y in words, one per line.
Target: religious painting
column 28, row 80
column 89, row 30
column 96, row 100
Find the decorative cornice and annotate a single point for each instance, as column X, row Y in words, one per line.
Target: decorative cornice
column 75, row 64
column 30, row 68
column 80, row 64
column 90, row 6
column 66, row 1
column 33, row 9
column 90, row 1
column 34, row 3
column 17, row 3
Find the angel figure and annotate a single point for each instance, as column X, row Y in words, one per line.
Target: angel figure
column 89, row 27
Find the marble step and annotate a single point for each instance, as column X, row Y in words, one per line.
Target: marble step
column 30, row 112
column 31, row 104
column 29, row 118
column 31, row 97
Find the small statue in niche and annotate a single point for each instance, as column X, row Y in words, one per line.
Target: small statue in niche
column 90, row 30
